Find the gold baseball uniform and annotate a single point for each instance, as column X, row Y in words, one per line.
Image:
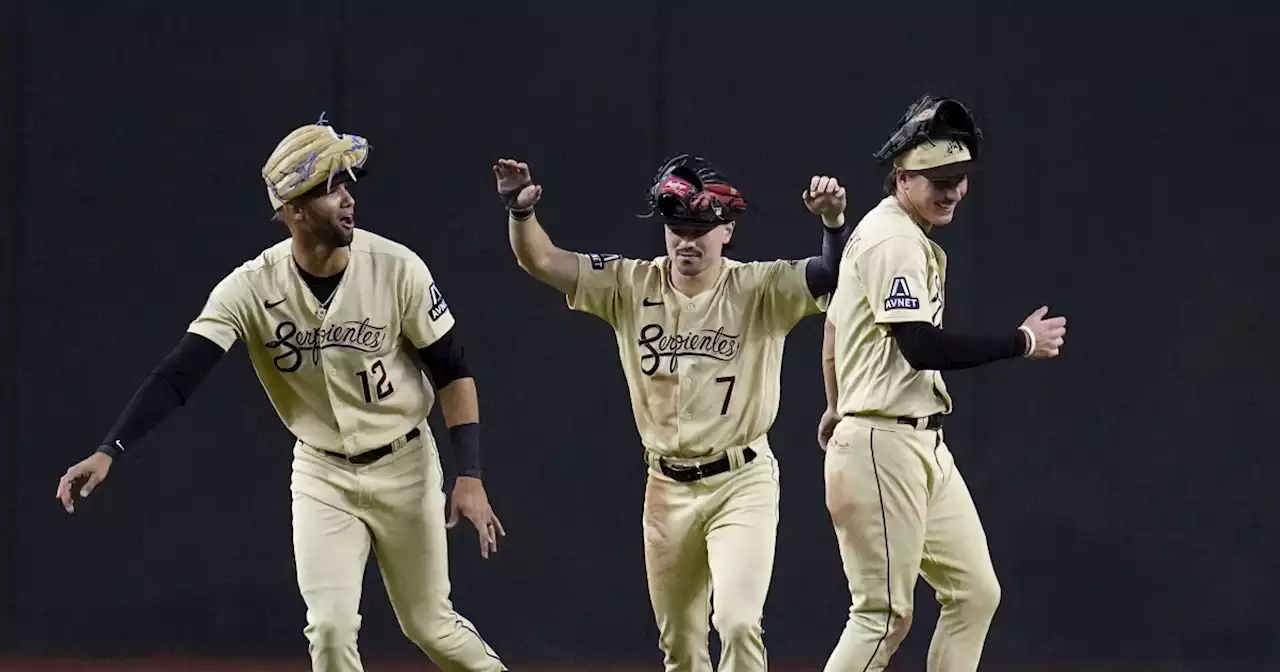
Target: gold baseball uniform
column 897, row 500
column 703, row 375
column 342, row 378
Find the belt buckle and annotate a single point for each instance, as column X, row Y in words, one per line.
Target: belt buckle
column 683, row 469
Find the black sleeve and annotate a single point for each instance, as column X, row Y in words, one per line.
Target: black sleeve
column 446, row 362
column 928, row 348
column 445, row 359
column 169, row 386
column 823, row 271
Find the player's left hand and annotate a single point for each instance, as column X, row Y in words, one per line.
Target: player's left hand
column 827, row 426
column 470, row 499
column 825, row 198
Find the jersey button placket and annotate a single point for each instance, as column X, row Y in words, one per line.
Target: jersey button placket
column 330, row 378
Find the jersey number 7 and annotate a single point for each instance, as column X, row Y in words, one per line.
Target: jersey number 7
column 728, row 394
column 382, row 388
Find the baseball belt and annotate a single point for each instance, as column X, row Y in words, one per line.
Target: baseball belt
column 930, row 422
column 697, row 472
column 376, row 454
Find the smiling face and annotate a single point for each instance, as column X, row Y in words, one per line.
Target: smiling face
column 932, row 200
column 693, row 250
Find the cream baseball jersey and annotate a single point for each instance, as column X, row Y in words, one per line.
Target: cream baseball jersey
column 703, row 371
column 890, row 272
column 343, row 377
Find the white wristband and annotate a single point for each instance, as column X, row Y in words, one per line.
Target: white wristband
column 1031, row 340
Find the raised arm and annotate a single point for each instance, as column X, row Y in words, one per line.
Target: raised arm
column 826, row 198
column 533, row 248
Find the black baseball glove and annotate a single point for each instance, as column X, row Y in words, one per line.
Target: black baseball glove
column 689, row 190
column 930, row 118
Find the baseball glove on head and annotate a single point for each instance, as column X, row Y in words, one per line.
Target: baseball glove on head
column 312, row 156
column 687, row 190
column 935, row 132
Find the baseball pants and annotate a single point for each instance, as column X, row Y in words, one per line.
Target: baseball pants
column 708, row 551
column 395, row 507
column 901, row 510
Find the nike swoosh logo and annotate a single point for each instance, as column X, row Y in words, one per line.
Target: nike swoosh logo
column 268, row 304
column 649, row 302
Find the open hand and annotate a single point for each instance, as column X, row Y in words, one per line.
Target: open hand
column 515, row 185
column 93, row 469
column 825, row 198
column 470, row 499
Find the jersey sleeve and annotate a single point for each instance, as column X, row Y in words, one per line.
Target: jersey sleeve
column 222, row 318
column 425, row 315
column 784, row 294
column 894, row 273
column 603, row 284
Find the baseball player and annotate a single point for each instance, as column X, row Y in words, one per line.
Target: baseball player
column 333, row 318
column 700, row 338
column 897, row 500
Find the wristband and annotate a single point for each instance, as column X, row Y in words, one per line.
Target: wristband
column 465, row 440
column 111, row 450
column 509, row 199
column 1031, row 340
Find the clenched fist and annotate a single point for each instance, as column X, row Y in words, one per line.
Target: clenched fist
column 825, row 198
column 516, row 186
column 1047, row 334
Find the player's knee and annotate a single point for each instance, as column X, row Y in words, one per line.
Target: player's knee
column 737, row 628
column 681, row 647
column 982, row 596
column 892, row 624
column 426, row 633
column 332, row 631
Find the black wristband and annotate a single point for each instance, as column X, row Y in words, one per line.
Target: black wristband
column 509, row 200
column 112, row 450
column 465, row 439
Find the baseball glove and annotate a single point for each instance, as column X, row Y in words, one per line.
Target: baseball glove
column 930, row 118
column 689, row 190
column 310, row 156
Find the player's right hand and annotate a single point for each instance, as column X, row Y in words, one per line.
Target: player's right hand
column 515, row 185
column 93, row 468
column 1049, row 333
column 827, row 426
column 825, row 198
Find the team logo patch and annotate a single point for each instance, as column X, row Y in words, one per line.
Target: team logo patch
column 599, row 260
column 438, row 304
column 900, row 297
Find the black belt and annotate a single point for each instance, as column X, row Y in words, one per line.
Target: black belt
column 377, row 453
column 695, row 472
column 931, row 422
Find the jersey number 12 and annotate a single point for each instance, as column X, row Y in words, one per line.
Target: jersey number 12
column 382, row 388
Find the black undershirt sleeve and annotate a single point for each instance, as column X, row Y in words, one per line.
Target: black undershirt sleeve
column 928, row 348
column 169, row 386
column 446, row 361
column 822, row 272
